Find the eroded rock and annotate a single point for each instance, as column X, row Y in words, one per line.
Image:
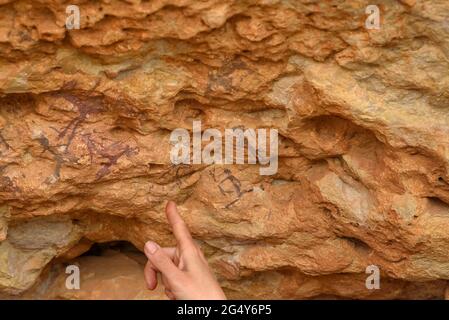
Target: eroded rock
column 86, row 116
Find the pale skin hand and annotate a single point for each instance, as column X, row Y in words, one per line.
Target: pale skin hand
column 184, row 270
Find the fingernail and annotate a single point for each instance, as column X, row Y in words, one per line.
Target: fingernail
column 171, row 203
column 151, row 247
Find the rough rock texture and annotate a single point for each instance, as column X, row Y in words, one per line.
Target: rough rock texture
column 112, row 275
column 86, row 115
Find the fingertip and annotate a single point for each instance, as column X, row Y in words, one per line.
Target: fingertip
column 170, row 207
column 171, row 211
column 150, row 248
column 151, row 285
column 150, row 277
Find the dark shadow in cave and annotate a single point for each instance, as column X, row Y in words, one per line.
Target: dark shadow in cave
column 101, row 249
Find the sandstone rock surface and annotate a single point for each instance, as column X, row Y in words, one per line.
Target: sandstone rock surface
column 362, row 115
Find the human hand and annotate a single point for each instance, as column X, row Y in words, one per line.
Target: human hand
column 185, row 272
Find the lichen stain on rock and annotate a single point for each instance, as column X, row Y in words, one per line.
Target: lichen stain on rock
column 86, row 115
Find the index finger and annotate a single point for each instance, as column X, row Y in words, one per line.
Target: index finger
column 180, row 230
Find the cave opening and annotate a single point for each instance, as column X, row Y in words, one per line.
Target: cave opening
column 97, row 270
column 98, row 249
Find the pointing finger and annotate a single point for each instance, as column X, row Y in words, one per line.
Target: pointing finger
column 150, row 271
column 160, row 260
column 150, row 276
column 180, row 230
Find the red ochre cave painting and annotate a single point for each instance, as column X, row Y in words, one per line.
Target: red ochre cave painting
column 101, row 147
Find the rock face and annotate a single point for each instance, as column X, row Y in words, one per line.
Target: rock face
column 362, row 114
column 111, row 275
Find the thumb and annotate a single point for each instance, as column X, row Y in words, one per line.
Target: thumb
column 160, row 260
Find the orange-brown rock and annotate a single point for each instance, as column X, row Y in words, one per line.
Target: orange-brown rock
column 86, row 116
column 111, row 276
